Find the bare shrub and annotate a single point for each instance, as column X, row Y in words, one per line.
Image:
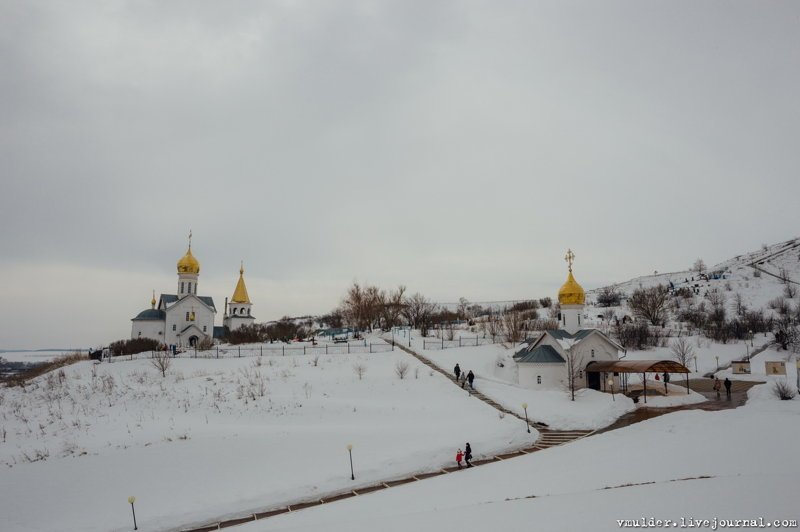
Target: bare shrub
column 790, row 290
column 608, row 297
column 315, row 360
column 650, row 304
column 783, row 390
column 401, row 369
column 161, row 361
column 359, row 368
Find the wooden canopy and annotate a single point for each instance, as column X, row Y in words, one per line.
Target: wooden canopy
column 636, row 366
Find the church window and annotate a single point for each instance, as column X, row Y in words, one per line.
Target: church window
column 580, row 374
column 173, row 326
column 579, row 319
column 204, row 328
column 181, row 287
column 592, row 353
column 189, row 291
column 538, row 379
column 187, row 316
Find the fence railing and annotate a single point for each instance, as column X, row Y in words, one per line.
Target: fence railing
column 271, row 350
column 461, row 341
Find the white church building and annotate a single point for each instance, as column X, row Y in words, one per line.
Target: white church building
column 185, row 318
column 543, row 362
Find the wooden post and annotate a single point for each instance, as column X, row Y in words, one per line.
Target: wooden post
column 240, row 351
column 687, row 383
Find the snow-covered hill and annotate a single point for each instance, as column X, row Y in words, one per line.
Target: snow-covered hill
column 755, row 275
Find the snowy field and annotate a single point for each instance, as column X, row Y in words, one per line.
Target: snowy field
column 34, row 357
column 221, row 437
column 733, row 464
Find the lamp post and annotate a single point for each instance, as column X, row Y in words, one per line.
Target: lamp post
column 350, row 451
column 695, row 363
column 611, row 384
column 751, row 338
column 132, row 500
column 717, row 357
column 525, row 408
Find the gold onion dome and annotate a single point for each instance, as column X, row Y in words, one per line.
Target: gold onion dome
column 188, row 264
column 571, row 293
column 240, row 294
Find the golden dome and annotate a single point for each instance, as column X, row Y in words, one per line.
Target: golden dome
column 571, row 293
column 188, row 264
column 240, row 294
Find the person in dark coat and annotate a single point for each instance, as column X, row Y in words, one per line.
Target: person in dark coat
column 470, row 378
column 457, row 371
column 666, row 382
column 468, row 455
column 728, row 384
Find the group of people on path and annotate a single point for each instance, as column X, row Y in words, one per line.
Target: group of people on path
column 466, row 456
column 463, row 378
column 718, row 386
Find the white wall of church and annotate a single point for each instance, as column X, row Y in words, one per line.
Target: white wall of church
column 148, row 329
column 550, row 376
column 177, row 320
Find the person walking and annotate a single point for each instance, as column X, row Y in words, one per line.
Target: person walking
column 728, row 385
column 666, row 382
column 717, row 386
column 463, row 379
column 459, row 457
column 468, row 455
column 457, row 371
column 471, row 378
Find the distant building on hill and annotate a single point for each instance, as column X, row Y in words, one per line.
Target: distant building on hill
column 543, row 363
column 184, row 318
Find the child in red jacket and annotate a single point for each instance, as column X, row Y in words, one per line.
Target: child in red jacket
column 459, row 457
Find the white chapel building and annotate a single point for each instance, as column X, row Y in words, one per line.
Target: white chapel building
column 185, row 318
column 542, row 363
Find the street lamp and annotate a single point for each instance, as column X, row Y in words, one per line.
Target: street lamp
column 611, row 383
column 717, row 357
column 525, row 408
column 751, row 338
column 132, row 500
column 350, row 450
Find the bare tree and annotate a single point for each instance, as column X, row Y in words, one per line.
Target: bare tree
column 699, row 266
column 514, row 324
column 650, row 304
column 682, row 351
column 161, row 361
column 401, row 369
column 739, row 305
column 359, row 368
column 419, row 311
column 493, row 325
column 574, row 360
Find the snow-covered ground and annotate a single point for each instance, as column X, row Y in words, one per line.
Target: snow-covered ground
column 590, row 410
column 203, row 442
column 733, row 464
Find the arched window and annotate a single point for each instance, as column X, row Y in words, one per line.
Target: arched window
column 181, row 287
column 592, row 353
column 538, row 379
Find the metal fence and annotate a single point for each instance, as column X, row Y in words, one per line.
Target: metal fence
column 272, row 350
column 441, row 343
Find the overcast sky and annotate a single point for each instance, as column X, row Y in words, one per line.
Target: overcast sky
column 455, row 147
